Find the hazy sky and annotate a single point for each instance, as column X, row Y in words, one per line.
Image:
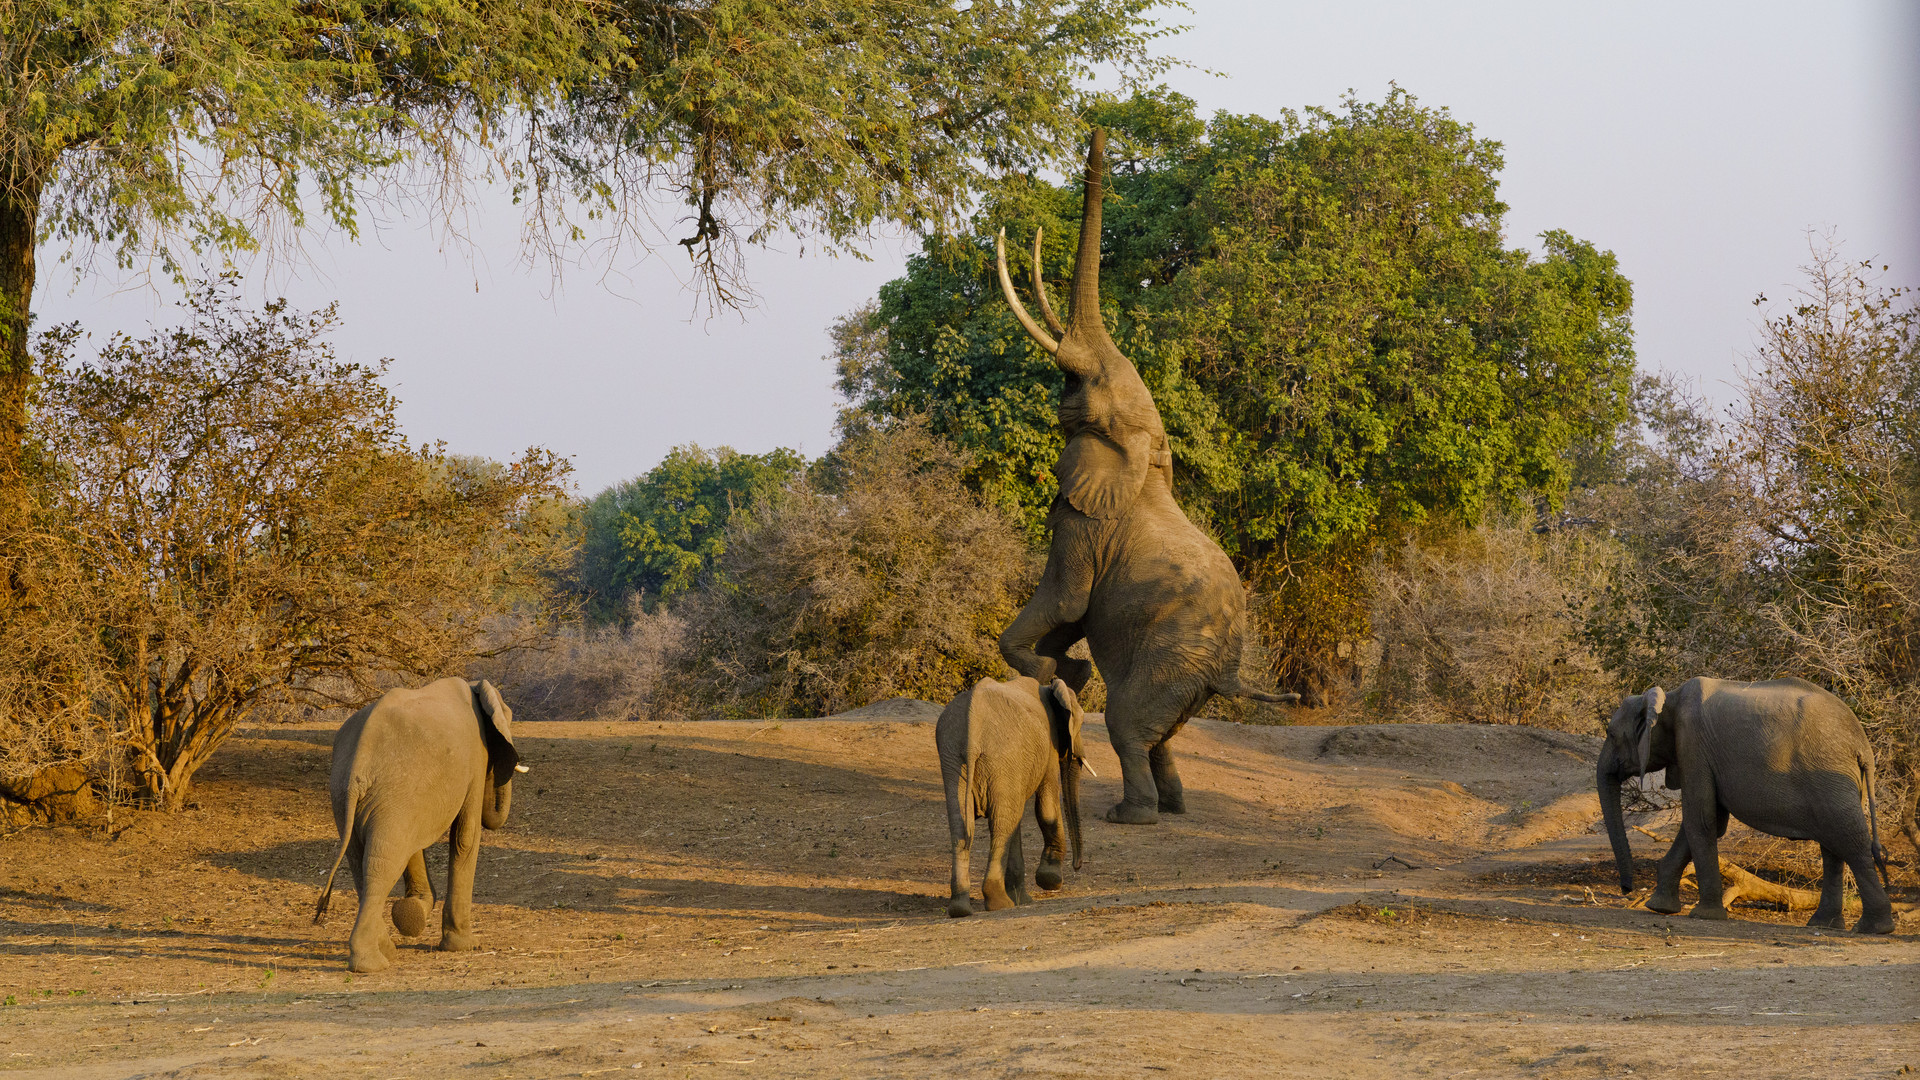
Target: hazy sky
column 1699, row 142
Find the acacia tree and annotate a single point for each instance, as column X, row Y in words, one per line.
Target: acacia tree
column 132, row 123
column 248, row 519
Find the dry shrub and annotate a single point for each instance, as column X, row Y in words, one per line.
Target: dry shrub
column 879, row 576
column 584, row 671
column 1486, row 626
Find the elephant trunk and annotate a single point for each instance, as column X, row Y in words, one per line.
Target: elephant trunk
column 1070, row 801
column 1608, row 780
column 494, row 813
column 1085, row 290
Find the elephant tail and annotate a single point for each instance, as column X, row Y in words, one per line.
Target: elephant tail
column 1873, row 824
column 346, row 837
column 1231, row 686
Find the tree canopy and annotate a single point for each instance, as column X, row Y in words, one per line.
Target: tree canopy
column 142, row 124
column 657, row 534
column 1338, row 338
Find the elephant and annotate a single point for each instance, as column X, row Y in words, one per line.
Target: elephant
column 1159, row 604
column 408, row 769
column 1784, row 756
column 1001, row 744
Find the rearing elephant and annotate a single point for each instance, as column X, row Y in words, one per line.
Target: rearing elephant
column 1157, row 600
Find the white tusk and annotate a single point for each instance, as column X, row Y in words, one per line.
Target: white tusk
column 519, row 768
column 1087, row 765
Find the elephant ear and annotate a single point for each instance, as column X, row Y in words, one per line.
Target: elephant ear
column 1062, row 705
column 1656, row 699
column 1100, row 476
column 496, row 729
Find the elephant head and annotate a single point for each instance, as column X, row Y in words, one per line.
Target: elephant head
column 496, row 729
column 1628, row 752
column 1114, row 434
column 1063, row 709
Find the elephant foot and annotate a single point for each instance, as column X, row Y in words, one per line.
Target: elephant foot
column 1713, row 914
column 1126, row 813
column 1664, row 902
column 959, row 907
column 1048, row 876
column 999, row 903
column 1880, row 922
column 366, row 961
column 454, row 941
column 1830, row 920
column 1174, row 805
column 410, row 916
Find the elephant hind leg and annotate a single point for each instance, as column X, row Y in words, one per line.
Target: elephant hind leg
column 1876, row 907
column 1833, row 880
column 995, row 885
column 410, row 911
column 370, row 948
column 1166, row 778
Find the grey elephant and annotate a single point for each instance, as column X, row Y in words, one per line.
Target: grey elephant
column 1784, row 756
column 1002, row 744
column 408, row 769
column 1157, row 601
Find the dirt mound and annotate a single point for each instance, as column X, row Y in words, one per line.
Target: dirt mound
column 1437, row 746
column 899, row 708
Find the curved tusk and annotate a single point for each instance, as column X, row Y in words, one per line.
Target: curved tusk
column 519, row 768
column 1088, row 765
column 1040, row 290
column 1013, row 301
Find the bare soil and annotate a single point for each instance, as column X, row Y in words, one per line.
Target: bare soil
column 766, row 899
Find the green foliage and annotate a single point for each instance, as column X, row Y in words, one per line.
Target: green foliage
column 657, row 534
column 1339, row 343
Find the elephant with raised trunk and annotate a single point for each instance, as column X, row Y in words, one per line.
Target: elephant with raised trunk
column 1784, row 756
column 1002, row 744
column 408, row 769
column 1157, row 601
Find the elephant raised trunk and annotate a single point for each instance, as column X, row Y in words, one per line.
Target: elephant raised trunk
column 1085, row 293
column 1608, row 778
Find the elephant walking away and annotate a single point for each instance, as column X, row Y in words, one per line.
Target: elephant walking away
column 408, row 769
column 1158, row 602
column 1002, row 744
column 1784, row 756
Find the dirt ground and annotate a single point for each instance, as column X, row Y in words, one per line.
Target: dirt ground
column 766, row 899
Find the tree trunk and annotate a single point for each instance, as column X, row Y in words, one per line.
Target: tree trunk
column 19, row 220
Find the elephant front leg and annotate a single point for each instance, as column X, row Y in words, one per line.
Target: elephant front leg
column 463, row 857
column 1665, row 897
column 1044, row 625
column 1072, row 670
column 1166, row 778
column 1702, row 818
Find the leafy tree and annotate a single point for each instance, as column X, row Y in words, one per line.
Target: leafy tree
column 132, row 123
column 1340, row 343
column 656, row 535
column 247, row 520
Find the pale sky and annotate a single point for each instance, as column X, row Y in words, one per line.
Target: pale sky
column 1701, row 143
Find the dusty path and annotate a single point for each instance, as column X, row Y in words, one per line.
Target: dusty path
column 724, row 899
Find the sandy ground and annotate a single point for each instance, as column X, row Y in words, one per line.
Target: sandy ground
column 740, row 899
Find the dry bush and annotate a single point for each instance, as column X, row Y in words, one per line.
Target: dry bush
column 580, row 670
column 1792, row 546
column 1487, row 626
column 249, row 522
column 880, row 576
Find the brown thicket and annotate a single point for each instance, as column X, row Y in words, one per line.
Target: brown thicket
column 880, row 575
column 246, row 523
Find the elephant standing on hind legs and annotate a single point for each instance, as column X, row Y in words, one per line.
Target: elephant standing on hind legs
column 1783, row 756
column 408, row 769
column 1157, row 601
